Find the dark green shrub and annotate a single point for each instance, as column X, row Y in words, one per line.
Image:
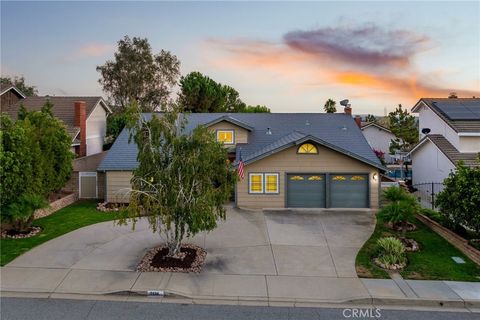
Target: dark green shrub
column 20, row 213
column 460, row 200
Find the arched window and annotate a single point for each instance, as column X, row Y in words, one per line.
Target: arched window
column 308, row 148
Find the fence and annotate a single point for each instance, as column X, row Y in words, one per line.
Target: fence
column 426, row 193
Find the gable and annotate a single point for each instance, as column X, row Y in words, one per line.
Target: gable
column 240, row 134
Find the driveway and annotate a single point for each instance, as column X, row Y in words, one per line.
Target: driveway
column 284, row 243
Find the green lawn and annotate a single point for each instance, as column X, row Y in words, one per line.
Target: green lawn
column 75, row 216
column 432, row 262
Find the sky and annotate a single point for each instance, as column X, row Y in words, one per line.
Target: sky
column 289, row 56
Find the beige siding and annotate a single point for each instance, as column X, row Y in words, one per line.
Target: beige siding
column 118, row 186
column 241, row 135
column 288, row 161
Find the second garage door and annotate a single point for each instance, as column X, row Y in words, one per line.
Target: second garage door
column 349, row 191
column 306, row 191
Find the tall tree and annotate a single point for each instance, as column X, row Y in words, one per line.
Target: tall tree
column 256, row 109
column 330, row 106
column 404, row 126
column 19, row 82
column 200, row 93
column 36, row 160
column 370, row 118
column 182, row 180
column 137, row 74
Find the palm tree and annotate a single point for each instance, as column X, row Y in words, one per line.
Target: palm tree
column 330, row 106
column 402, row 207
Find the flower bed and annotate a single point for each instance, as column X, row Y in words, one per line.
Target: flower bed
column 190, row 259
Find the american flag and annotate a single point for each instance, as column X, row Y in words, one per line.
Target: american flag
column 241, row 165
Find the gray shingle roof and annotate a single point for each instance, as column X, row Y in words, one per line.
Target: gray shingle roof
column 457, row 125
column 469, row 158
column 338, row 131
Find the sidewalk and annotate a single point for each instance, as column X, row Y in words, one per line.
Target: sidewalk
column 240, row 289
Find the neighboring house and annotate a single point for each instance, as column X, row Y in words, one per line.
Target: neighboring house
column 378, row 137
column 291, row 160
column 84, row 117
column 449, row 132
column 9, row 95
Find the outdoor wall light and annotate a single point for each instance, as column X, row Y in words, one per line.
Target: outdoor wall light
column 374, row 176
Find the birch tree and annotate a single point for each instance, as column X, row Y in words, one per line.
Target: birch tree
column 182, row 180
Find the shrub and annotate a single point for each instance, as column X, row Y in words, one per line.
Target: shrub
column 401, row 208
column 391, row 251
column 20, row 213
column 434, row 215
column 460, row 199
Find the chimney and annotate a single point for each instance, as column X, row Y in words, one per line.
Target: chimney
column 80, row 121
column 358, row 121
column 348, row 109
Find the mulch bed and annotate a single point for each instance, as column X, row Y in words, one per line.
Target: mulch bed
column 190, row 259
column 110, row 207
column 395, row 267
column 12, row 234
column 398, row 226
column 410, row 244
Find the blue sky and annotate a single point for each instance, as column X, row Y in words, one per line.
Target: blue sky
column 290, row 56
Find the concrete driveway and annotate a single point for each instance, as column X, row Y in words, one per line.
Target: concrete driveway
column 284, row 243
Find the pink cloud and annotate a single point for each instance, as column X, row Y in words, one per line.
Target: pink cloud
column 94, row 50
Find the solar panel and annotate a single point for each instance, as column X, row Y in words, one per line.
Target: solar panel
column 460, row 110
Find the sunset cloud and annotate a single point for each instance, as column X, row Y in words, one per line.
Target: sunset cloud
column 364, row 61
column 94, row 50
column 367, row 46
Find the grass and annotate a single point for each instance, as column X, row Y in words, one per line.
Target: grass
column 432, row 262
column 75, row 216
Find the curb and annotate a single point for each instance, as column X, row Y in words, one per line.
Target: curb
column 170, row 297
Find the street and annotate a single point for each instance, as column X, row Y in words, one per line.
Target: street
column 52, row 309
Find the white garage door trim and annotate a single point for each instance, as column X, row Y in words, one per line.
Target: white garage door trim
column 87, row 174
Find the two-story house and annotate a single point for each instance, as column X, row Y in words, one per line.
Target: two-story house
column 449, row 133
column 378, row 137
column 85, row 118
column 290, row 160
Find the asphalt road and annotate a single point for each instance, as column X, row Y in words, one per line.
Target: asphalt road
column 52, row 309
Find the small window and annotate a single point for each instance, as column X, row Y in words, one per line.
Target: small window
column 271, row 183
column 357, row 178
column 255, row 183
column 339, row 178
column 225, row 136
column 307, row 148
column 296, row 178
column 315, row 178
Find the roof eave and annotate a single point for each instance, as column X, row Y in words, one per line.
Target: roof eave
column 321, row 142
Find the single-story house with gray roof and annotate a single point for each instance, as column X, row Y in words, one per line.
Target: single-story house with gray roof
column 307, row 160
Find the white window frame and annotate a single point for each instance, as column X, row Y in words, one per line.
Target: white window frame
column 250, row 182
column 226, row 130
column 265, row 183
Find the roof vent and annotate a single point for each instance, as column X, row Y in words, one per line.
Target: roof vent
column 307, row 123
column 344, row 128
column 269, row 131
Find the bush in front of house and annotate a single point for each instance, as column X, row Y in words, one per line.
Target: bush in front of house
column 459, row 201
column 391, row 253
column 434, row 215
column 401, row 208
column 36, row 160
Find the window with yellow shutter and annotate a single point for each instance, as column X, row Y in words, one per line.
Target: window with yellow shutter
column 225, row 136
column 271, row 182
column 255, row 183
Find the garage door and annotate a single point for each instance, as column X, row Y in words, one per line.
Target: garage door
column 349, row 191
column 306, row 191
